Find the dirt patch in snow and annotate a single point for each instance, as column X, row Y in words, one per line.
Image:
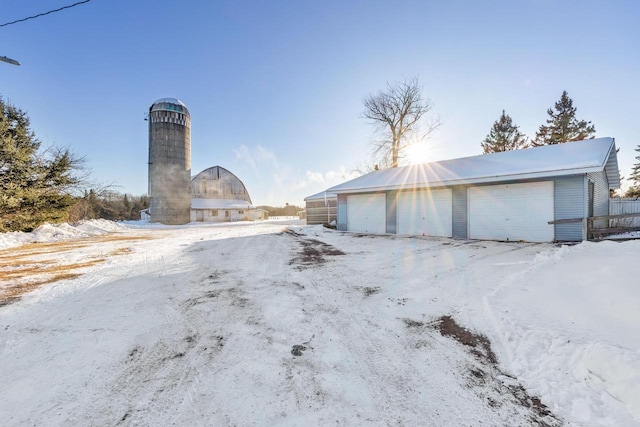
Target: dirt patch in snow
column 312, row 252
column 368, row 291
column 479, row 344
column 485, row 377
column 297, row 349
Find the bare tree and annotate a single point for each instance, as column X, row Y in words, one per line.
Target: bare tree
column 399, row 113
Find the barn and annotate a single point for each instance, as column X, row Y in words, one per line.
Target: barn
column 217, row 195
column 320, row 208
column 507, row 196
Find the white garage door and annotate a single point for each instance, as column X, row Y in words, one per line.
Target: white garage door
column 425, row 213
column 367, row 213
column 512, row 212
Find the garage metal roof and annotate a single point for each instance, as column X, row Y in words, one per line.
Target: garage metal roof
column 592, row 155
column 320, row 196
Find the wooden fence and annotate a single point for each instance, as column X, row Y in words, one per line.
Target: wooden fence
column 620, row 206
column 600, row 232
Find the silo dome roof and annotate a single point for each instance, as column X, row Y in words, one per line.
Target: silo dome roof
column 169, row 104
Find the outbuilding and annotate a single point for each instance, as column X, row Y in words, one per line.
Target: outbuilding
column 217, row 195
column 508, row 196
column 321, row 208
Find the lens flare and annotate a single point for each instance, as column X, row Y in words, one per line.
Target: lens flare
column 417, row 153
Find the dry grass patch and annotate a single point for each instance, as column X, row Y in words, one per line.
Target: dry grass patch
column 26, row 268
column 33, row 249
column 119, row 251
column 15, row 262
column 32, row 270
column 23, row 280
column 13, row 293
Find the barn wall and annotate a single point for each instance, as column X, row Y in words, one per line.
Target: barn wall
column 570, row 202
column 342, row 213
column 460, row 212
column 223, row 215
column 600, row 196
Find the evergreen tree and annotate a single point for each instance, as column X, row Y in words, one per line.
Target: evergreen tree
column 504, row 136
column 634, row 191
column 34, row 184
column 562, row 125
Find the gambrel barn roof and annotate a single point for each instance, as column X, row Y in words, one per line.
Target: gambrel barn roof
column 570, row 158
column 218, row 183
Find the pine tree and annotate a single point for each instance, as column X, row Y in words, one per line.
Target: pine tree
column 34, row 183
column 562, row 125
column 504, row 136
column 634, row 191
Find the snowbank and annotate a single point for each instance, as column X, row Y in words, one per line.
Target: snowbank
column 568, row 326
column 53, row 232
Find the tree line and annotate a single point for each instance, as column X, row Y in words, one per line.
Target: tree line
column 286, row 210
column 107, row 204
column 400, row 113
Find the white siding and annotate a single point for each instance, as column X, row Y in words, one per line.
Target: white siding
column 512, row 212
column 600, row 196
column 570, row 202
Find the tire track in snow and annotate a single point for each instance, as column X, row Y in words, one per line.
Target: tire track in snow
column 379, row 366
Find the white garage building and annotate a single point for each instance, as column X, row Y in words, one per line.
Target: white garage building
column 508, row 196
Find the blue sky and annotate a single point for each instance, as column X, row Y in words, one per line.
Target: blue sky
column 275, row 89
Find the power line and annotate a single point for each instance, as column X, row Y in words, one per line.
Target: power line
column 44, row 13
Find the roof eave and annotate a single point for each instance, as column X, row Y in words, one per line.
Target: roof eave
column 611, row 167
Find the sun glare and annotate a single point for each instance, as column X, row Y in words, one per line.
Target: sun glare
column 418, row 153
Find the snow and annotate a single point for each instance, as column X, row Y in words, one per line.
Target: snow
column 629, row 235
column 52, row 233
column 196, row 324
column 539, row 162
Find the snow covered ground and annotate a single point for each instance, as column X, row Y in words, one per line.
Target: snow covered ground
column 277, row 323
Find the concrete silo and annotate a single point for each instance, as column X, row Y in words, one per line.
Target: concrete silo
column 169, row 161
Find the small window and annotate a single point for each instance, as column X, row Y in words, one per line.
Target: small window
column 226, row 213
column 214, row 212
column 240, row 212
